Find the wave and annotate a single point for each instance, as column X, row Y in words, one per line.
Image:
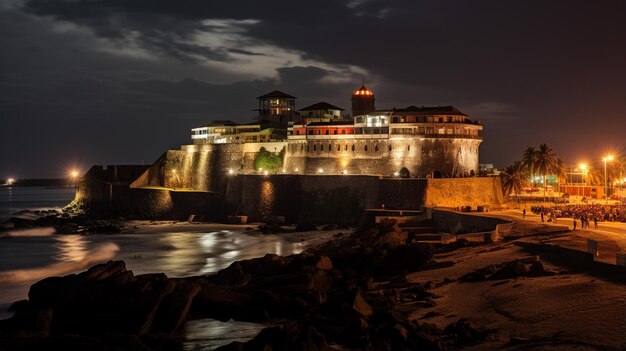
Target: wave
column 98, row 254
column 32, row 232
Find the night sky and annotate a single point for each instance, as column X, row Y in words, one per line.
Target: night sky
column 87, row 82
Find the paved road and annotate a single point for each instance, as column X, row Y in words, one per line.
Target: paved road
column 614, row 231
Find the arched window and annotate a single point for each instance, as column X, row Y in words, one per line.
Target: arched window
column 314, row 147
column 335, row 131
column 389, row 147
column 338, row 147
column 343, row 131
column 330, row 147
column 408, row 148
column 346, row 148
column 376, row 148
column 365, row 148
column 327, row 131
column 352, row 147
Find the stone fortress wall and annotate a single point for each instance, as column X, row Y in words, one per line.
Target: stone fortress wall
column 452, row 157
column 202, row 167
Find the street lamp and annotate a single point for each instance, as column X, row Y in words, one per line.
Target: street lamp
column 74, row 176
column 583, row 169
column 606, row 186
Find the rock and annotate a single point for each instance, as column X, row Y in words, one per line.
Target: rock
column 305, row 227
column 510, row 270
column 360, row 306
column 321, row 282
column 105, row 270
column 324, row 263
column 289, row 337
column 463, row 333
column 537, row 269
column 173, row 309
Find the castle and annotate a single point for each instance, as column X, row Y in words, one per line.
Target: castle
column 319, row 166
column 421, row 142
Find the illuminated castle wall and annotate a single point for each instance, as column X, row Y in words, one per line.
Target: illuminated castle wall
column 414, row 141
column 420, row 142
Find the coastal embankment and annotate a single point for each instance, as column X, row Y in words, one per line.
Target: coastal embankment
column 134, row 192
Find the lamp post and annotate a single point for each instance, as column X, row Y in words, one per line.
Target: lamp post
column 606, row 184
column 583, row 170
column 74, row 176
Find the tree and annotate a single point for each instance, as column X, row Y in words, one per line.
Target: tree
column 560, row 172
column 269, row 161
column 514, row 178
column 528, row 161
column 545, row 162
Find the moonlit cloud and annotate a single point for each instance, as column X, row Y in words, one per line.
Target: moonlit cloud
column 76, row 74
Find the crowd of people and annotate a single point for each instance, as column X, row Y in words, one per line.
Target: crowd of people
column 585, row 213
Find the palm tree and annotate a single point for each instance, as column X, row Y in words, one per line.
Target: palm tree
column 528, row 160
column 545, row 162
column 560, row 172
column 616, row 170
column 594, row 176
column 514, row 178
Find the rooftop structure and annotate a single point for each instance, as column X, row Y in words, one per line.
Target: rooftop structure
column 277, row 106
column 320, row 111
column 363, row 101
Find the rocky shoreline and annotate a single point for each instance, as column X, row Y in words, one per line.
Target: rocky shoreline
column 356, row 292
column 343, row 293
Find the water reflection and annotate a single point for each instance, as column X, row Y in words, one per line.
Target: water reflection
column 72, row 248
column 208, row 334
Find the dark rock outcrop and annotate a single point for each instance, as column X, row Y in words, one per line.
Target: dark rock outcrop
column 347, row 292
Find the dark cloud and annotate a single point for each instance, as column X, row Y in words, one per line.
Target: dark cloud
column 77, row 74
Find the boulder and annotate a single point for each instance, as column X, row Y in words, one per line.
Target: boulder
column 173, row 309
column 360, row 306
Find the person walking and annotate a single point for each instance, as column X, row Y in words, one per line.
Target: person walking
column 524, row 213
column 595, row 222
column 541, row 217
column 575, row 224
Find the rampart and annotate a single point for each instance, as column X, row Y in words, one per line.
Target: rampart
column 420, row 156
column 319, row 199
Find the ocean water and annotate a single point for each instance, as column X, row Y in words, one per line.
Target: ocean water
column 14, row 199
column 29, row 256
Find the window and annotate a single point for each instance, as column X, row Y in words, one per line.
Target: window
column 376, row 148
column 314, row 147
column 346, row 148
column 365, row 148
column 327, row 131
column 338, row 147
column 389, row 147
column 343, row 131
column 335, row 131
column 329, row 147
column 352, row 147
